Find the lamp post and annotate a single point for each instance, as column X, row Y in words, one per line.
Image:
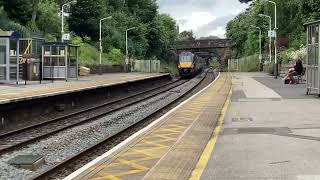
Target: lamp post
column 100, row 40
column 63, row 15
column 127, row 53
column 260, row 43
column 275, row 41
column 270, row 39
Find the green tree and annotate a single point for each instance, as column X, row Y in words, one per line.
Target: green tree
column 162, row 36
column 115, row 56
column 19, row 11
column 85, row 17
column 291, row 16
column 186, row 36
column 145, row 10
column 48, row 12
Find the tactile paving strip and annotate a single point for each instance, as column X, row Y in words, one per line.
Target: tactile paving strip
column 137, row 160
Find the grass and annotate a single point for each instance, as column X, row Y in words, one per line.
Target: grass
column 169, row 68
column 246, row 64
column 89, row 55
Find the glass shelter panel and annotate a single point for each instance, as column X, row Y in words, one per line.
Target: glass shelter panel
column 313, row 37
column 3, row 52
column 313, row 54
column 312, row 71
column 47, row 50
column 2, row 73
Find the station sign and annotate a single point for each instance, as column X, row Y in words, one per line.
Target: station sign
column 272, row 34
column 66, row 37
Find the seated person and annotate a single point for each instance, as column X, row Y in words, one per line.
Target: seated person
column 296, row 70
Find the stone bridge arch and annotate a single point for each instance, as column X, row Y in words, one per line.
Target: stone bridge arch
column 207, row 49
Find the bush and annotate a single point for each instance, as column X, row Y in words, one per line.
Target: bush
column 116, row 57
column 270, row 68
column 48, row 12
column 249, row 64
column 170, row 67
column 294, row 55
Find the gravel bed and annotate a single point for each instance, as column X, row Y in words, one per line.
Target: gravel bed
column 87, row 157
column 81, row 117
column 70, row 142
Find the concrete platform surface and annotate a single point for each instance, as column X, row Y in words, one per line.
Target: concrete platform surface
column 14, row 93
column 271, row 131
column 170, row 148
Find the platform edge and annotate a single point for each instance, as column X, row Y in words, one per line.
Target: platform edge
column 80, row 171
column 209, row 149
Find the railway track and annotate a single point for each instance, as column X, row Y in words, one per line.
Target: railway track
column 51, row 170
column 19, row 138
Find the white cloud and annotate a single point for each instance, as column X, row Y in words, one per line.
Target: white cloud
column 204, row 17
column 220, row 32
column 195, row 20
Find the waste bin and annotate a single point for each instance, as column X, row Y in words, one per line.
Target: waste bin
column 33, row 69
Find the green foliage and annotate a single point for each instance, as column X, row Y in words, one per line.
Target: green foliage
column 270, row 68
column 19, row 11
column 162, row 36
column 89, row 55
column 48, row 12
column 249, row 64
column 186, row 36
column 85, row 17
column 169, row 67
column 8, row 25
column 153, row 38
column 292, row 14
column 116, row 57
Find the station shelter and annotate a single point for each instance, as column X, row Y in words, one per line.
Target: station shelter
column 312, row 69
column 30, row 51
column 60, row 60
column 9, row 56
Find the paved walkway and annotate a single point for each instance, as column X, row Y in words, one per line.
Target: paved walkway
column 271, row 131
column 12, row 92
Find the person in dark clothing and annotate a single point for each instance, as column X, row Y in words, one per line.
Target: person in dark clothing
column 297, row 70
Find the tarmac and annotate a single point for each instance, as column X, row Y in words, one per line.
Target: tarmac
column 270, row 131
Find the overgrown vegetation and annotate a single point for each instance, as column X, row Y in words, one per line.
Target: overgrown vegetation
column 292, row 14
column 245, row 64
column 153, row 37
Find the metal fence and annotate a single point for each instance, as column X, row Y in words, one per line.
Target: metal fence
column 246, row 64
column 149, row 66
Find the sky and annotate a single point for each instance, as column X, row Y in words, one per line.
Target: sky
column 203, row 17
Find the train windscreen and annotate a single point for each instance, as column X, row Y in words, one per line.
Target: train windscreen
column 186, row 57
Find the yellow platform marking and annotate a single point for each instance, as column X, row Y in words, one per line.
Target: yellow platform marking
column 147, row 153
column 154, row 145
column 138, row 168
column 204, row 159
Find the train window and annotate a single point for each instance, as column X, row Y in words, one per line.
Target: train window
column 186, row 57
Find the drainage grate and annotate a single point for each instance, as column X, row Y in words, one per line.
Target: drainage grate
column 30, row 162
column 243, row 119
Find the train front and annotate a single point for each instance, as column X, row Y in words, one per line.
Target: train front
column 186, row 65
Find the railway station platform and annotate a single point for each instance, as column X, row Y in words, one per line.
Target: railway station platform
column 170, row 147
column 271, row 131
column 14, row 93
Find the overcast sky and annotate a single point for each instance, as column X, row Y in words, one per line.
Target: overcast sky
column 204, row 17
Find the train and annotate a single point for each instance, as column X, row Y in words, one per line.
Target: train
column 190, row 64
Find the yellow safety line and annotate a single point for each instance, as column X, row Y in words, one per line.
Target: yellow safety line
column 204, row 159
